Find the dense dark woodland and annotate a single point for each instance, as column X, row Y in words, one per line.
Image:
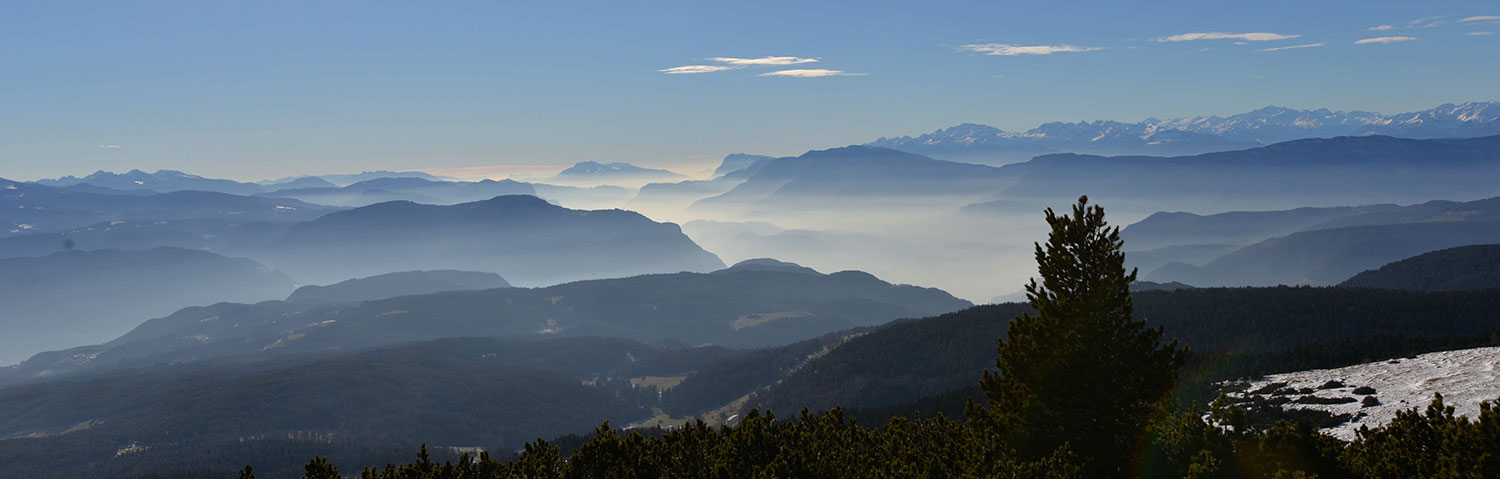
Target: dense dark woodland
column 488, row 393
column 1233, row 332
column 905, row 367
column 362, row 408
column 1453, row 269
column 1083, row 389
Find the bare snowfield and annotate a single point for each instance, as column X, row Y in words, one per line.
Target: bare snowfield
column 1465, row 378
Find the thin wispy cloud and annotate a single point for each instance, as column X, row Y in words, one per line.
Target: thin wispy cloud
column 1428, row 22
column 110, row 147
column 693, row 69
column 1002, row 49
column 1249, row 37
column 1479, row 34
column 735, row 63
column 1482, row 18
column 810, row 73
column 762, row 61
column 1368, row 41
column 1292, row 47
column 1380, row 28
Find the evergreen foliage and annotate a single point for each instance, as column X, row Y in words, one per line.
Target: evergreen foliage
column 1213, row 444
column 1081, row 392
column 1081, row 371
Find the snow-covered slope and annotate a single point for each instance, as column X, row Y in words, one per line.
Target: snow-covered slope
column 1464, row 377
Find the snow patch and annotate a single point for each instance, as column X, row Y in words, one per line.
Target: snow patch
column 1464, row 377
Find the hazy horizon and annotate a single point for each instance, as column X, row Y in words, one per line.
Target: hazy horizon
column 253, row 92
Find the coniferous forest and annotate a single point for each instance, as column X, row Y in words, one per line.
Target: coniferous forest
column 483, row 239
column 1081, row 388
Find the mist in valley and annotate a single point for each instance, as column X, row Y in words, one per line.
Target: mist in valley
column 616, row 240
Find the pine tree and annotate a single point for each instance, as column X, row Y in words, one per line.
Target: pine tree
column 320, row 468
column 1081, row 372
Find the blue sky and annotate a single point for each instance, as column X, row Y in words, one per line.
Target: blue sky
column 254, row 90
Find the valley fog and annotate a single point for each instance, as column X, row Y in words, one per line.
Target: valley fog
column 508, row 240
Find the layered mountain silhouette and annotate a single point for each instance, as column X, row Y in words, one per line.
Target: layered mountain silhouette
column 1328, row 256
column 1339, row 243
column 676, row 197
column 1164, row 229
column 1188, row 136
column 420, row 190
column 593, row 173
column 344, row 179
column 436, row 192
column 28, row 208
column 1314, row 172
column 1454, row 269
column 856, row 176
column 525, row 239
column 227, row 236
column 72, row 298
column 162, row 181
column 167, row 181
column 739, row 162
column 391, row 285
column 497, row 392
column 756, row 303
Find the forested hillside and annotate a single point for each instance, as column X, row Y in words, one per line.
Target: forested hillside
column 487, row 393
column 1453, row 269
column 1233, row 332
column 1082, row 388
column 736, row 307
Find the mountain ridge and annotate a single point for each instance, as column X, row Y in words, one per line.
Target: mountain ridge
column 521, row 237
column 1193, row 135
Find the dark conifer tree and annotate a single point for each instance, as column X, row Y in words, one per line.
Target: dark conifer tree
column 320, row 468
column 1081, row 371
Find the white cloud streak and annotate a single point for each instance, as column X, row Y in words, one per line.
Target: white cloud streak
column 734, row 63
column 1369, row 41
column 1479, row 34
column 1482, row 18
column 694, row 69
column 1002, row 49
column 1428, row 22
column 1292, row 47
column 810, row 73
column 762, row 61
column 1380, row 28
column 1249, row 37
column 111, row 147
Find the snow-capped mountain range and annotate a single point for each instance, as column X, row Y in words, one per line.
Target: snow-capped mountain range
column 1201, row 134
column 162, row 181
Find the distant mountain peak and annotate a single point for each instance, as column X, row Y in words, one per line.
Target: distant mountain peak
column 1195, row 135
column 594, row 168
column 768, row 264
column 739, row 162
column 513, row 201
column 523, row 237
column 162, row 181
column 858, row 151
